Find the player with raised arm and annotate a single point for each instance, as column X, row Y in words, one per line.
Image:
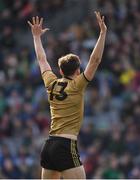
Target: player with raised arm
column 59, row 155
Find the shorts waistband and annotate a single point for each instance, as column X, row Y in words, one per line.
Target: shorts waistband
column 61, row 138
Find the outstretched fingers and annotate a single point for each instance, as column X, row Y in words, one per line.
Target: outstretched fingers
column 46, row 29
column 98, row 16
column 41, row 21
column 30, row 24
column 101, row 22
column 37, row 20
column 33, row 20
column 36, row 26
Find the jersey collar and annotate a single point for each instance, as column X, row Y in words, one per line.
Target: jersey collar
column 67, row 77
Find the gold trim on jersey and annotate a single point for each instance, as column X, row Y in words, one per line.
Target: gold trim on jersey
column 74, row 153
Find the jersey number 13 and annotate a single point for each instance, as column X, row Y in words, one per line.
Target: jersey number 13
column 62, row 94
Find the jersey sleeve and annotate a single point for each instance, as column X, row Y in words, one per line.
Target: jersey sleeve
column 81, row 81
column 48, row 77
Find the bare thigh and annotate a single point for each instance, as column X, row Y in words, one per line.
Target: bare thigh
column 50, row 174
column 74, row 173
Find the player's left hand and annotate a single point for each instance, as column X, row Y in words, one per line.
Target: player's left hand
column 101, row 22
column 36, row 26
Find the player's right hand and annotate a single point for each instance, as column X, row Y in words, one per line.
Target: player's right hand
column 36, row 26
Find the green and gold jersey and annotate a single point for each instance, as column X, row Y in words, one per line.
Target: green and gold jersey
column 66, row 98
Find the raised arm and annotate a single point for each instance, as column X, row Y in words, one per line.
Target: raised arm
column 37, row 31
column 96, row 55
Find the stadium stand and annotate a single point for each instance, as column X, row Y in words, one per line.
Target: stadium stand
column 109, row 141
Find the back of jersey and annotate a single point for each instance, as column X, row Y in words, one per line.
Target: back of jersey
column 66, row 97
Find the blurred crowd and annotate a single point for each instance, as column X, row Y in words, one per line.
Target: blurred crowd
column 109, row 141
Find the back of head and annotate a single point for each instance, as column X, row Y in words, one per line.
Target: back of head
column 69, row 64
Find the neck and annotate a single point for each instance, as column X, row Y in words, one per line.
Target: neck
column 70, row 77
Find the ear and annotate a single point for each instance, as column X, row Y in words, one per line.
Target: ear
column 78, row 71
column 61, row 72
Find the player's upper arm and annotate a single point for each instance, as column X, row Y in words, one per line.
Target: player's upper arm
column 81, row 81
column 48, row 77
column 91, row 68
column 43, row 64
